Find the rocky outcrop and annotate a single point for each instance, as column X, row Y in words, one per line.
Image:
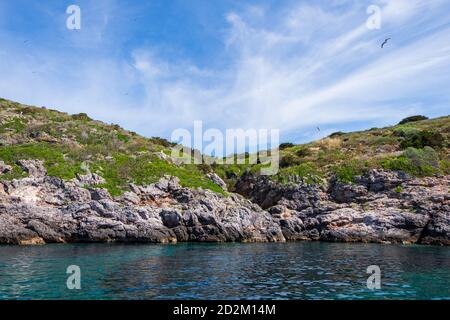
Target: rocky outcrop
column 4, row 168
column 381, row 206
column 41, row 209
column 34, row 168
column 217, row 180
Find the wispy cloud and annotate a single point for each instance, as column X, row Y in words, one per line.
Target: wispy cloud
column 293, row 67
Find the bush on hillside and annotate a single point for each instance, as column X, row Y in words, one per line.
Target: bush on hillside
column 163, row 142
column 303, row 152
column 336, row 134
column 347, row 171
column 421, row 139
column 289, row 160
column 81, row 116
column 413, row 119
column 418, row 162
column 285, row 145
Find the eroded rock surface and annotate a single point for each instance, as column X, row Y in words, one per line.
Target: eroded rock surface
column 42, row 209
column 381, row 206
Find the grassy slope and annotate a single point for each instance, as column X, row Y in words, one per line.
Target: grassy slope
column 75, row 144
column 401, row 147
column 72, row 144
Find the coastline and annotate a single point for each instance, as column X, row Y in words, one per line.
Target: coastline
column 40, row 209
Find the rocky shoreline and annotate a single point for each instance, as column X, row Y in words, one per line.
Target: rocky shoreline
column 381, row 206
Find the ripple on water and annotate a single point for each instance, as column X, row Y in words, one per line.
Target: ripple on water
column 302, row 270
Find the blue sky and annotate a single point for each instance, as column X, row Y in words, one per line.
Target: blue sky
column 154, row 66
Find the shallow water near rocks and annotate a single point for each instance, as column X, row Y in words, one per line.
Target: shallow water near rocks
column 297, row 270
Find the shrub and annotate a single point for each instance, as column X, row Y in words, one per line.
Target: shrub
column 303, row 152
column 413, row 119
column 15, row 124
column 285, row 145
column 418, row 162
column 337, row 134
column 383, row 140
column 306, row 171
column 30, row 110
column 289, row 160
column 330, row 143
column 425, row 156
column 405, row 131
column 163, row 142
column 123, row 137
column 81, row 116
column 445, row 166
column 421, row 139
column 347, row 172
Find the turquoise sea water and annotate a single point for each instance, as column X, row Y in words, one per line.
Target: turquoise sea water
column 301, row 270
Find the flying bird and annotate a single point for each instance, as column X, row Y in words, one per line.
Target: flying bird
column 384, row 43
column 318, row 129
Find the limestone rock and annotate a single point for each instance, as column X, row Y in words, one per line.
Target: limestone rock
column 217, row 180
column 4, row 168
column 41, row 209
column 34, row 168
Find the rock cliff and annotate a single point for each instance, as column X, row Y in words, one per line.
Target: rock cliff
column 382, row 206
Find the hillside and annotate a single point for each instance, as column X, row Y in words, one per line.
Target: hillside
column 419, row 148
column 75, row 144
column 68, row 178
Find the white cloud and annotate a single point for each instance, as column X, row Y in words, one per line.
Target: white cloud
column 270, row 85
column 307, row 66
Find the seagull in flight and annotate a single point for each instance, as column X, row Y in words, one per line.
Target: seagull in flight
column 384, row 43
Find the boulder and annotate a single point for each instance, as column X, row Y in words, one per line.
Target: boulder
column 34, row 168
column 4, row 168
column 89, row 180
column 217, row 180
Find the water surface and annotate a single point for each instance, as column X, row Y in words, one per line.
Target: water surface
column 300, row 270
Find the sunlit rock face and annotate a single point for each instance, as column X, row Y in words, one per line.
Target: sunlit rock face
column 381, row 206
column 41, row 209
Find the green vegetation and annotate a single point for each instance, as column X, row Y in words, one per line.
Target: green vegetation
column 347, row 171
column 413, row 137
column 307, row 172
column 53, row 156
column 418, row 162
column 413, row 119
column 422, row 145
column 81, row 117
column 75, row 144
column 337, row 134
column 123, row 169
column 445, row 166
column 285, row 145
column 289, row 160
column 15, row 124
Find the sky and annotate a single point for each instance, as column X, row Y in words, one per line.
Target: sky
column 307, row 68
